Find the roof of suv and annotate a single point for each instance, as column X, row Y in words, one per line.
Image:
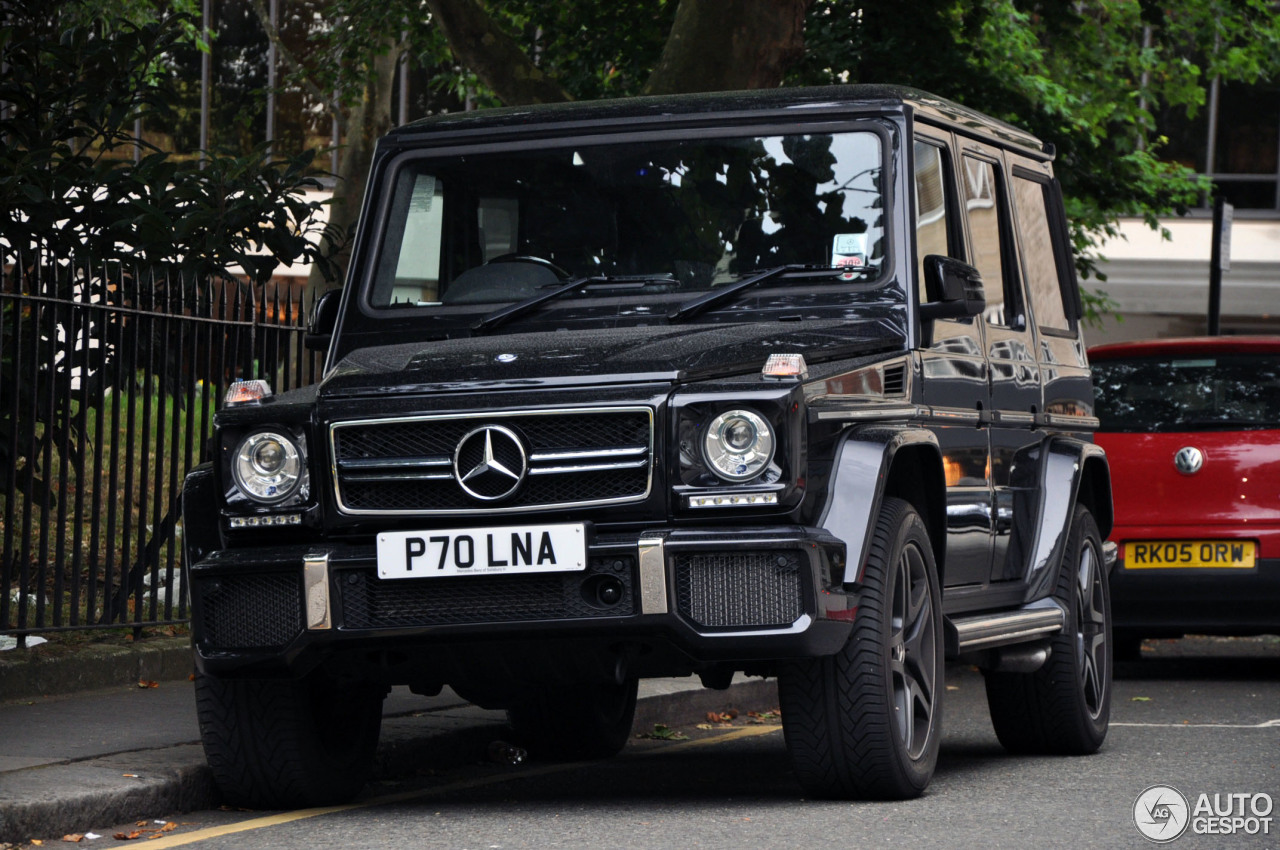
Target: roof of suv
column 1186, row 345
column 813, row 101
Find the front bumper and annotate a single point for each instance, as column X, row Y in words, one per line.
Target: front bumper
column 674, row 600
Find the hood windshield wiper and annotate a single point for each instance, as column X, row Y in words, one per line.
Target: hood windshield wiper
column 520, row 308
column 716, row 297
column 505, row 314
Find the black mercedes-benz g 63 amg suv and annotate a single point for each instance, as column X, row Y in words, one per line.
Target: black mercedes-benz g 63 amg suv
column 784, row 383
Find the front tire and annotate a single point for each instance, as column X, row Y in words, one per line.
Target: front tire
column 865, row 723
column 287, row 744
column 1064, row 707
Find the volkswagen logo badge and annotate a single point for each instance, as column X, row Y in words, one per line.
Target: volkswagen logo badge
column 1188, row 460
column 490, row 463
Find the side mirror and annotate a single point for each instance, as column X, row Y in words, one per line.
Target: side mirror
column 954, row 289
column 324, row 319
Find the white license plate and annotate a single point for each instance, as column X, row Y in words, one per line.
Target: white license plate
column 482, row 551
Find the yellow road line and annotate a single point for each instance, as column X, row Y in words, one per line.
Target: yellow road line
column 404, row 796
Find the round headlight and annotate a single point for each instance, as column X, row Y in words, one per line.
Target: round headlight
column 738, row 445
column 267, row 467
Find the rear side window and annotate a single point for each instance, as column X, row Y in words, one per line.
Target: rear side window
column 982, row 202
column 1213, row 392
column 931, row 207
column 1044, row 286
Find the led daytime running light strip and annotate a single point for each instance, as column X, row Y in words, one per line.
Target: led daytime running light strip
column 723, row 501
column 258, row 521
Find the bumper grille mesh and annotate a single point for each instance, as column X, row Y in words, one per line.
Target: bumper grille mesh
column 744, row 590
column 370, row 603
column 251, row 612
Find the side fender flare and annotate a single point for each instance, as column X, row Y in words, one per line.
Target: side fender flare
column 859, row 479
column 1070, row 470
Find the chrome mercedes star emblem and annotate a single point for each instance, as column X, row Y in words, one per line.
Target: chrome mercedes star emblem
column 490, row 463
column 1188, row 460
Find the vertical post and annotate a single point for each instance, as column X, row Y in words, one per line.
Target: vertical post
column 403, row 117
column 1219, row 260
column 1278, row 175
column 1142, row 95
column 273, row 16
column 1211, row 148
column 333, row 155
column 206, row 72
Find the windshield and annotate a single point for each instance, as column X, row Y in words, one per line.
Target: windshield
column 1225, row 391
column 675, row 216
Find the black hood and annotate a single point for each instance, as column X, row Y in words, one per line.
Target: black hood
column 623, row 355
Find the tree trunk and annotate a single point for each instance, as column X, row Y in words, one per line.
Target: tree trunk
column 479, row 43
column 726, row 45
column 366, row 121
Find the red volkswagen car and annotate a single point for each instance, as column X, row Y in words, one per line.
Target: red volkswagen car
column 1192, row 430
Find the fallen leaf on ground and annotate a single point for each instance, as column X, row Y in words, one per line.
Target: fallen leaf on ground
column 721, row 716
column 662, row 732
column 72, row 837
column 148, row 683
column 1140, row 699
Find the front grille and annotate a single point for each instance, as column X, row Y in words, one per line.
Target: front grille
column 251, row 612
column 742, row 590
column 368, row 602
column 574, row 458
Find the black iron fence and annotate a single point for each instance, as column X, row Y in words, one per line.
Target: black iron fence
column 109, row 377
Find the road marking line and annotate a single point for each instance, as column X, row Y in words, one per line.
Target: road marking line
column 1268, row 724
column 404, row 796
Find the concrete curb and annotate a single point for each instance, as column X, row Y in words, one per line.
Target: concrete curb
column 50, row 670
column 50, row 801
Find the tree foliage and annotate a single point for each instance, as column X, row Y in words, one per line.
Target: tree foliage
column 1090, row 76
column 69, row 179
column 1095, row 77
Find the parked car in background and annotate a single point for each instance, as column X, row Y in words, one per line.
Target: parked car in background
column 1192, row 430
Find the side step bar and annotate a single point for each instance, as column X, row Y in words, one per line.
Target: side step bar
column 986, row 631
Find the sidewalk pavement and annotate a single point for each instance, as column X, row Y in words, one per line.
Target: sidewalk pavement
column 102, row 736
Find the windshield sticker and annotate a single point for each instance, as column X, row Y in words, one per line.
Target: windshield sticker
column 849, row 249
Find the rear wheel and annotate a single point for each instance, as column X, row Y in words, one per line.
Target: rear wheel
column 277, row 744
column 1065, row 706
column 574, row 723
column 865, row 722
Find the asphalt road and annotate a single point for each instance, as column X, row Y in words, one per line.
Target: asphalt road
column 1202, row 716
